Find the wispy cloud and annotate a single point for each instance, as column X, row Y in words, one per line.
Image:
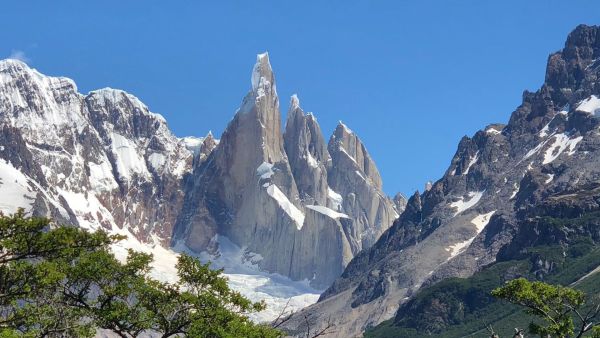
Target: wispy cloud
column 19, row 55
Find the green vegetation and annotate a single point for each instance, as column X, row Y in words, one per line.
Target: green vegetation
column 471, row 320
column 559, row 307
column 64, row 282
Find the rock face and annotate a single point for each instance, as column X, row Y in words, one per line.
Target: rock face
column 103, row 160
column 308, row 155
column 469, row 218
column 353, row 174
column 277, row 195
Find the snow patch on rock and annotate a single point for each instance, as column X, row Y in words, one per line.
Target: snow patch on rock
column 590, row 105
column 101, row 176
column 193, row 144
column 561, row 143
column 157, row 160
column 493, row 131
column 534, row 150
column 88, row 210
column 128, row 157
column 482, row 220
column 462, row 204
column 473, row 160
column 327, row 212
column 290, row 209
column 515, row 191
column 15, row 191
column 343, row 150
column 311, row 160
column 545, row 130
column 265, row 170
column 346, row 129
column 335, row 199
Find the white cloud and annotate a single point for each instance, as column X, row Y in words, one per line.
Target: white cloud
column 19, row 55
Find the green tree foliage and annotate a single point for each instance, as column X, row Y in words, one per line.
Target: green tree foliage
column 563, row 310
column 65, row 282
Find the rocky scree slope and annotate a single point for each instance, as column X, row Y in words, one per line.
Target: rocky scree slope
column 471, row 216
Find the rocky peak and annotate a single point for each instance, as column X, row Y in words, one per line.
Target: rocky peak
column 353, row 175
column 20, row 70
column 569, row 70
column 37, row 103
column 200, row 147
column 12, row 65
column 345, row 146
column 23, row 78
column 209, row 143
column 262, row 75
column 583, row 42
column 249, row 165
column 400, row 202
column 259, row 116
column 123, row 113
column 307, row 154
column 104, row 160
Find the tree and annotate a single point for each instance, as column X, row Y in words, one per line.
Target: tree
column 65, row 282
column 560, row 308
column 30, row 253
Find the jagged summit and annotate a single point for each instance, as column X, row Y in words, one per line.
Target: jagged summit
column 344, row 128
column 295, row 109
column 18, row 69
column 114, row 94
column 14, row 63
column 295, row 112
column 294, row 101
column 262, row 73
column 584, row 36
column 111, row 96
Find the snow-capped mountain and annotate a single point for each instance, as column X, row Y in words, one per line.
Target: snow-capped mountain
column 547, row 154
column 104, row 160
column 96, row 160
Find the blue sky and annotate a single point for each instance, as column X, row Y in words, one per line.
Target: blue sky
column 410, row 77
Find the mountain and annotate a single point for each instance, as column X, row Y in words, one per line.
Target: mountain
column 104, row 160
column 513, row 193
column 282, row 195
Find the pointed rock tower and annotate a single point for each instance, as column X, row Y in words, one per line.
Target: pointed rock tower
column 354, row 177
column 307, row 153
column 271, row 193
